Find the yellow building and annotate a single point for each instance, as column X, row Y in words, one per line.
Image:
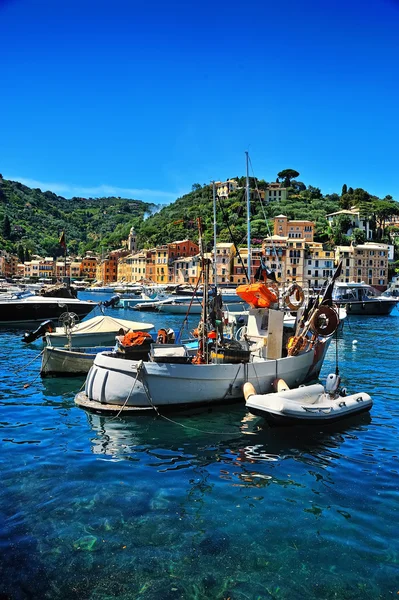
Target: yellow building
column 274, row 255
column 224, row 262
column 275, row 191
column 366, row 263
column 224, row 188
column 138, row 266
column 162, row 265
column 125, row 268
column 319, row 264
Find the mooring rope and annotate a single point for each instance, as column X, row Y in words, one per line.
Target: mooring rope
column 139, row 367
column 182, row 424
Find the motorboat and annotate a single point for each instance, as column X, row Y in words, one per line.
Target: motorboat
column 31, row 309
column 98, row 331
column 307, row 404
column 363, row 299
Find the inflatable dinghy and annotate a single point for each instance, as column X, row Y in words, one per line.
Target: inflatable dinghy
column 306, row 405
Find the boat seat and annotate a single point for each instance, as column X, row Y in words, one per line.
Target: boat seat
column 170, row 353
column 308, row 394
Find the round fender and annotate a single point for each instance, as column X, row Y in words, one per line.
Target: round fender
column 248, row 390
column 325, row 321
column 294, row 297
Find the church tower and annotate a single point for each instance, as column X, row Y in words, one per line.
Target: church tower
column 132, row 241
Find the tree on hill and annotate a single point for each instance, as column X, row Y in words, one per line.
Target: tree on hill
column 297, row 186
column 21, row 253
column 287, row 175
column 358, row 236
column 344, row 189
column 6, row 228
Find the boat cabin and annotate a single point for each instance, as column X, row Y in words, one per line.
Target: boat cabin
column 354, row 292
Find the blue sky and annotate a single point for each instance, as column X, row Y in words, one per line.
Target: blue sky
column 144, row 99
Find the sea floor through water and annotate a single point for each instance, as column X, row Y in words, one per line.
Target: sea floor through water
column 215, row 505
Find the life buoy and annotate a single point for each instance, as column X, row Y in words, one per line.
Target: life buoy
column 297, row 292
column 162, row 336
column 325, row 321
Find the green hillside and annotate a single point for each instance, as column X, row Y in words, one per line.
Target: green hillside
column 178, row 220
column 33, row 220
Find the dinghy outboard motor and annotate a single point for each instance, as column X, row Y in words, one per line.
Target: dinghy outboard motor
column 332, row 383
column 112, row 302
column 31, row 336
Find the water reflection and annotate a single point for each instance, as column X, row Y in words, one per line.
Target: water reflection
column 226, row 434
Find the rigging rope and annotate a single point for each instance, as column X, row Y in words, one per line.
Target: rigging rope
column 232, row 238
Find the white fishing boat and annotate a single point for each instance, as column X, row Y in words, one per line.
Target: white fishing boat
column 98, row 331
column 306, row 405
column 221, row 367
column 62, row 362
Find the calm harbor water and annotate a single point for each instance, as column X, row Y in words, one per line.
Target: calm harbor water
column 215, row 505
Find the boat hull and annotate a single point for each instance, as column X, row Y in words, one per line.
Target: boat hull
column 62, row 362
column 369, row 307
column 58, row 362
column 30, row 311
column 117, row 382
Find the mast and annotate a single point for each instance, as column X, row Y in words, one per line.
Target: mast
column 248, row 223
column 214, row 236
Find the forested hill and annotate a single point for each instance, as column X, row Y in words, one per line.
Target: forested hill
column 178, row 220
column 33, row 220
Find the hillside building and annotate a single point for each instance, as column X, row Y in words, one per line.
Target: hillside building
column 275, row 192
column 8, row 264
column 224, row 188
column 357, row 221
column 366, row 263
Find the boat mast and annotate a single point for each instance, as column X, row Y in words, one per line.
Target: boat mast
column 214, row 236
column 248, row 223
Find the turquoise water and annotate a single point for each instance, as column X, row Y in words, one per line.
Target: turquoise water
column 215, row 505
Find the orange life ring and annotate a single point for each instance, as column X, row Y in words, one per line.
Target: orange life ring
column 296, row 291
column 162, row 336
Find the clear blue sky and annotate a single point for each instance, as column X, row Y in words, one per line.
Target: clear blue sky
column 142, row 99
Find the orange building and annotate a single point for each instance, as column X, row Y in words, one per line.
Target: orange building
column 303, row 230
column 88, row 266
column 181, row 249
